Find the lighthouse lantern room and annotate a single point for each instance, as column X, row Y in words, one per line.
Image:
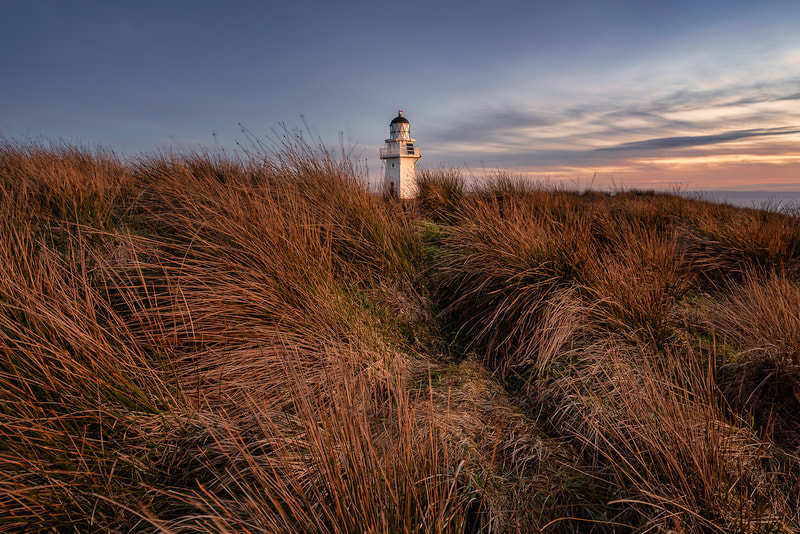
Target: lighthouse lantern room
column 400, row 158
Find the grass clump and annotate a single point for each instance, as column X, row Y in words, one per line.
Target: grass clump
column 593, row 312
column 199, row 343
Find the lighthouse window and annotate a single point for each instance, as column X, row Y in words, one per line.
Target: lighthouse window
column 392, row 164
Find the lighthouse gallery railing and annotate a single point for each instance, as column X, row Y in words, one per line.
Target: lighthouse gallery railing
column 399, row 151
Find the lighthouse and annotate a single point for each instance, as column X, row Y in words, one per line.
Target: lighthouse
column 400, row 159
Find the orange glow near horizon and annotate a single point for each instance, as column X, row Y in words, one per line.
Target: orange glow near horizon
column 727, row 146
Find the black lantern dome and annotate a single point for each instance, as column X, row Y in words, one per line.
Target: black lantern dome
column 399, row 119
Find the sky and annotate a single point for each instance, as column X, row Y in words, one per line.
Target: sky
column 623, row 94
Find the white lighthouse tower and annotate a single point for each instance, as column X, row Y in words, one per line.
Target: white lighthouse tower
column 400, row 158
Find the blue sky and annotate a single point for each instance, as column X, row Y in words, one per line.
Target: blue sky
column 635, row 93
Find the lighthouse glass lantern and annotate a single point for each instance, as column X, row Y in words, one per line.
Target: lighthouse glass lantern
column 400, row 158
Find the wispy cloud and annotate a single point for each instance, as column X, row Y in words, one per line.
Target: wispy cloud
column 697, row 140
column 742, row 124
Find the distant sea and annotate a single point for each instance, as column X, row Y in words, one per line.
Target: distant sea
column 785, row 201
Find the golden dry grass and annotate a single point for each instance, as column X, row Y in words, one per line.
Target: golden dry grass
column 195, row 343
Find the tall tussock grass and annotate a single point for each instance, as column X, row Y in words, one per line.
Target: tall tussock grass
column 440, row 193
column 258, row 343
column 501, row 273
column 761, row 317
column 60, row 184
column 73, row 384
column 658, row 433
column 220, row 358
column 656, row 356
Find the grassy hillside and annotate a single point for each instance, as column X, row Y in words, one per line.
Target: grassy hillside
column 190, row 343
